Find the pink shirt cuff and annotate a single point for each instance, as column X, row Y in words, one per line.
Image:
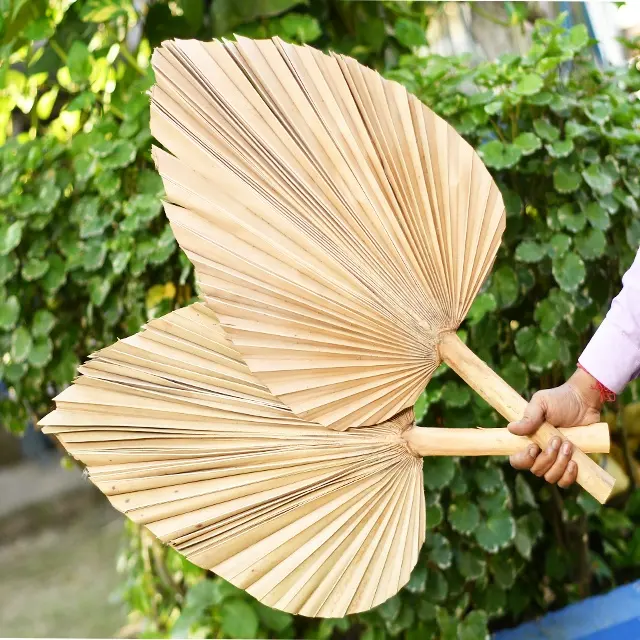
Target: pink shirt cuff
column 611, row 357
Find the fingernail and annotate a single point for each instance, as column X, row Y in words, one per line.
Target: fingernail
column 533, row 451
column 571, row 467
column 554, row 445
column 566, row 448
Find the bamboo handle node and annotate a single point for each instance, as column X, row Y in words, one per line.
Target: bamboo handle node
column 508, row 402
column 436, row 441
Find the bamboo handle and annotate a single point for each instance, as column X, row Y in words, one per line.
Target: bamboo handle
column 511, row 406
column 436, row 441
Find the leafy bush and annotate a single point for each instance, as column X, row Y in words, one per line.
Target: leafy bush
column 86, row 257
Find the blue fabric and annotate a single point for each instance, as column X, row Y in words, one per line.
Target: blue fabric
column 613, row 616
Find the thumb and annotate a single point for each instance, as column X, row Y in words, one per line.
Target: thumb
column 533, row 417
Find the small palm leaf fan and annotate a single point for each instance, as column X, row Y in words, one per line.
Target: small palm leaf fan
column 340, row 231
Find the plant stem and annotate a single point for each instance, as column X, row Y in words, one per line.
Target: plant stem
column 126, row 54
column 59, row 50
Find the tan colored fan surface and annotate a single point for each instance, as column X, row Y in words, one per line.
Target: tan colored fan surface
column 337, row 225
column 180, row 436
column 340, row 230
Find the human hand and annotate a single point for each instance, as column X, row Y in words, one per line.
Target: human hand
column 576, row 402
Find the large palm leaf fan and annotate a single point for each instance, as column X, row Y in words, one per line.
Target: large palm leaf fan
column 340, row 230
column 267, row 434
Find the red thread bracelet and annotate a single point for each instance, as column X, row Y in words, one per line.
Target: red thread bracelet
column 606, row 395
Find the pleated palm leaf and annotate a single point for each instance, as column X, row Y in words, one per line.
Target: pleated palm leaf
column 340, row 231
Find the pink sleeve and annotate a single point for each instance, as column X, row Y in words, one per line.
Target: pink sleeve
column 613, row 354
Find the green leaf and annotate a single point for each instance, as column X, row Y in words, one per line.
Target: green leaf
column 524, row 494
column 143, row 208
column 107, row 183
column 438, row 472
column 530, row 251
column 471, row 564
column 81, row 102
column 496, row 532
column 455, row 394
column 571, row 219
column 577, row 37
column 598, row 179
column 123, row 154
column 79, row 62
column 273, row 619
column 150, row 182
column 597, row 216
column 434, row 515
column 574, row 129
column 440, row 552
column 34, row 269
column 300, row 27
column 41, row 353
column 499, row 155
column 119, row 261
column 8, row 267
column 200, row 597
column 436, row 588
column 410, row 33
column 227, row 14
column 503, row 569
column 588, row 503
column 9, row 312
column 528, row 84
column 10, row 237
column 546, row 130
column 504, row 286
column 483, row 304
column 515, row 373
column 489, row 479
column 632, row 234
column 463, row 516
column 599, row 112
column 548, row 351
column 569, row 272
column 566, row 180
column 99, row 288
column 56, row 274
column 238, row 619
column 474, row 626
column 418, row 580
column 525, row 342
column 94, row 255
column 547, row 315
column 560, row 148
column 591, row 244
column 101, row 10
column 20, row 344
column 390, row 609
column 528, row 143
column 559, row 245
column 447, row 623
column 43, row 323
column 46, row 102
column 85, row 166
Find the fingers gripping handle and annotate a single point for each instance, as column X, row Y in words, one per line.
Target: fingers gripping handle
column 511, row 406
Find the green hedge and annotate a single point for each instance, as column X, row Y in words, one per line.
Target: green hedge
column 86, row 257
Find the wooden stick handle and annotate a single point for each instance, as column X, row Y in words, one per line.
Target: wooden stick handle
column 511, row 405
column 436, row 441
